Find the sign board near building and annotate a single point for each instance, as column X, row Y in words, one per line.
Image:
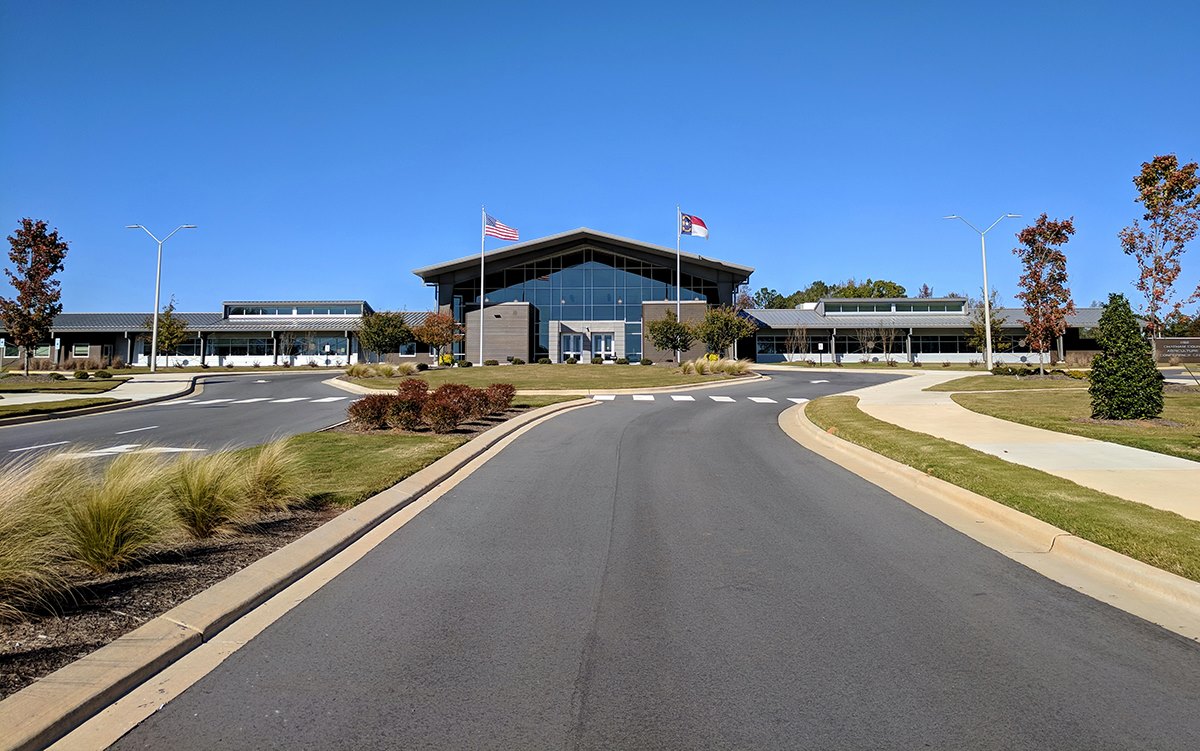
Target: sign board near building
column 1186, row 349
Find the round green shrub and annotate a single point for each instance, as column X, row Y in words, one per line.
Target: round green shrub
column 465, row 363
column 543, row 361
column 82, row 375
column 647, row 361
column 491, row 362
column 57, row 377
column 517, row 361
column 622, row 361
column 103, row 374
column 597, row 360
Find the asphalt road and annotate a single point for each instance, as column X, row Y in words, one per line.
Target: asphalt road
column 232, row 410
column 681, row 575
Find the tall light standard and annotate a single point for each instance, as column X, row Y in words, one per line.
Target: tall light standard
column 157, row 279
column 987, row 303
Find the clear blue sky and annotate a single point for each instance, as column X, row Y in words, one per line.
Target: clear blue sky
column 327, row 149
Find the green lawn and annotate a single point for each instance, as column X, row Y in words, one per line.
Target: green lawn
column 552, row 377
column 1008, row 383
column 1068, row 412
column 1160, row 538
column 19, row 384
column 20, row 410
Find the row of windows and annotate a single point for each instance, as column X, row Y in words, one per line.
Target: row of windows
column 258, row 346
column 307, row 310
column 781, row 344
column 900, row 307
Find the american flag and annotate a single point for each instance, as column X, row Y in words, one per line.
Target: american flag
column 498, row 229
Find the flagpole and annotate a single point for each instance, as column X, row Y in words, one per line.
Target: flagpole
column 482, row 237
column 678, row 277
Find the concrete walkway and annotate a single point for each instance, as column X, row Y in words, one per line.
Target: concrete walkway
column 1158, row 480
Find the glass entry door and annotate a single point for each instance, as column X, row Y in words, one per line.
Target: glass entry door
column 572, row 346
column 602, row 346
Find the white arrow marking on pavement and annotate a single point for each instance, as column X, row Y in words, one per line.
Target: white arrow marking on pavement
column 643, row 397
column 255, row 399
column 604, row 397
column 135, row 430
column 213, row 401
column 288, row 400
column 683, row 398
column 761, row 400
column 39, row 446
column 821, row 381
column 797, row 401
column 329, row 399
column 166, row 450
column 722, row 398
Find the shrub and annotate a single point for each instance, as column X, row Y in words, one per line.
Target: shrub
column 443, row 410
column 491, row 362
column 892, row 363
column 256, row 364
column 517, row 361
column 597, row 360
column 57, row 377
column 500, row 397
column 973, row 364
column 917, row 364
column 405, row 409
column 571, row 361
column 422, row 367
column 112, row 522
column 1125, row 384
column 647, row 361
column 465, row 363
column 272, row 477
column 945, row 363
column 544, row 361
column 1173, row 360
column 230, row 365
column 81, row 375
column 103, row 375
column 310, row 363
column 206, row 493
column 370, row 412
column 622, row 361
column 118, row 364
column 285, row 363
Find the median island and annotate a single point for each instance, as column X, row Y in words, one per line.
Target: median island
column 560, row 377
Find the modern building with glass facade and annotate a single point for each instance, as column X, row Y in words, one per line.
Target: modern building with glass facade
column 579, row 294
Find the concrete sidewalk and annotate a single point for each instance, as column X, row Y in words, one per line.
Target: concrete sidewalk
column 138, row 388
column 1157, row 480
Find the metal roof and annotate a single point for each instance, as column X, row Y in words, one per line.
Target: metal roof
column 789, row 318
column 581, row 234
column 67, row 323
column 303, row 303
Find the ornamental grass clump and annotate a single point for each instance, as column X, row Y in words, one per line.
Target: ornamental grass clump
column 1125, row 384
column 385, row 370
column 31, row 544
column 111, row 521
column 272, row 477
column 207, row 494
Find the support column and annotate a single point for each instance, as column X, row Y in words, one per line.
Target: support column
column 203, row 346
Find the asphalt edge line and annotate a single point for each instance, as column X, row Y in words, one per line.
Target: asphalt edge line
column 46, row 710
column 1150, row 593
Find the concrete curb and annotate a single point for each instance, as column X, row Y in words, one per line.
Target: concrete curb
column 1161, row 597
column 45, row 711
column 354, row 388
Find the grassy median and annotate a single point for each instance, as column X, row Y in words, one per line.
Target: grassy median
column 1008, row 383
column 15, row 384
column 1159, row 538
column 565, row 377
column 40, row 408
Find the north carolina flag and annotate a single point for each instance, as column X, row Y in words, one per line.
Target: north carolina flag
column 690, row 224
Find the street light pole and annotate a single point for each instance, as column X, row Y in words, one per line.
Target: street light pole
column 987, row 302
column 157, row 282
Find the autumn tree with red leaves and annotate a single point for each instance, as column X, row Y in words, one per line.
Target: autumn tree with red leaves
column 1168, row 192
column 439, row 331
column 36, row 256
column 1044, row 291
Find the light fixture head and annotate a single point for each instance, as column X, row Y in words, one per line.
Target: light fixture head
column 952, row 216
column 133, row 226
column 188, row 226
column 1013, row 216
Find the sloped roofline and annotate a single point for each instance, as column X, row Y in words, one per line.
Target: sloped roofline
column 581, row 233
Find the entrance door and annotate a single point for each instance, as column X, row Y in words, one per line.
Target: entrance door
column 602, row 346
column 572, row 346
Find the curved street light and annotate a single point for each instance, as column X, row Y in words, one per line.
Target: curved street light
column 987, row 303
column 157, row 279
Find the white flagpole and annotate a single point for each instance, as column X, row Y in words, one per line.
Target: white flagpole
column 482, row 237
column 678, row 278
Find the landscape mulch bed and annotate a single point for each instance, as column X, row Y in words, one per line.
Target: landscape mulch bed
column 99, row 609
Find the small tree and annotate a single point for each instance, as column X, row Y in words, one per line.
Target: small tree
column 887, row 340
column 977, row 336
column 866, row 338
column 722, row 327
column 925, row 291
column 287, row 344
column 172, row 331
column 438, row 331
column 384, row 331
column 670, row 334
column 1168, row 192
column 36, row 256
column 1125, row 384
column 1044, row 290
column 797, row 341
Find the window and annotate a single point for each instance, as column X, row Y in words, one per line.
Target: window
column 408, row 350
column 81, row 350
column 42, row 350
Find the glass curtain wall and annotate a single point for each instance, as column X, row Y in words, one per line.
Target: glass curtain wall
column 587, row 285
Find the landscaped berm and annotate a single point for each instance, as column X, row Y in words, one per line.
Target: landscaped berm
column 564, row 377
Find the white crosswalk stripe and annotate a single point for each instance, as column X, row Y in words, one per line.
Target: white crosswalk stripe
column 605, row 397
column 819, row 381
column 328, row 399
column 213, row 401
column 683, row 398
column 761, row 400
column 722, row 399
column 181, row 401
column 251, row 401
column 643, row 397
column 289, row 400
column 800, row 400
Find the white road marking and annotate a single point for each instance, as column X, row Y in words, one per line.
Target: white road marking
column 723, row 399
column 255, row 399
column 260, row 380
column 604, row 397
column 761, row 400
column 181, row 401
column 39, row 446
column 289, row 400
column 166, row 450
column 213, row 401
column 683, row 398
column 643, row 397
column 135, row 430
column 819, row 381
column 328, row 399
column 128, row 448
column 797, row 401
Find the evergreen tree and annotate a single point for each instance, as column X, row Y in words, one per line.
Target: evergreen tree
column 172, row 331
column 1125, row 384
